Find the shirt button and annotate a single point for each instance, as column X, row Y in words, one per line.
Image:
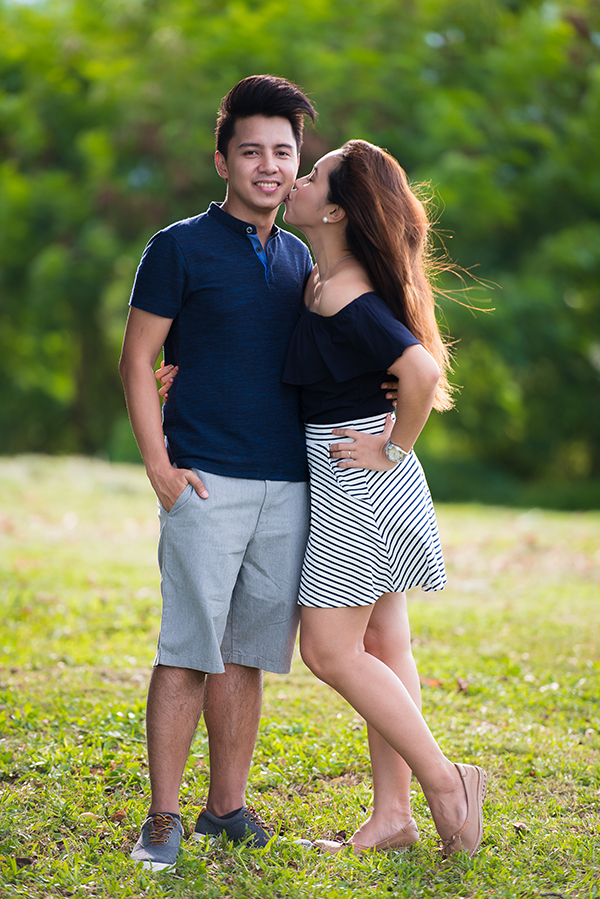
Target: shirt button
column 249, row 229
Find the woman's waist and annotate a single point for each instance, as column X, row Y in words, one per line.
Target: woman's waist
column 323, row 433
column 329, row 401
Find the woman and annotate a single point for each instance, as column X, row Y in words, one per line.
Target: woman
column 368, row 309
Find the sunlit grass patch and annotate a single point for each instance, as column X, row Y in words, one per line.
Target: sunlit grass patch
column 508, row 656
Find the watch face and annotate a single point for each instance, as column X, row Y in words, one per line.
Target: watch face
column 395, row 453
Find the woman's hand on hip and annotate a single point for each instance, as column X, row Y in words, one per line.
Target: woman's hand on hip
column 366, row 450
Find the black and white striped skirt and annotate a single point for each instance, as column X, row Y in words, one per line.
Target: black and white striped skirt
column 371, row 532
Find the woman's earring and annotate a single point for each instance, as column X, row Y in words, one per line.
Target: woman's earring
column 324, row 218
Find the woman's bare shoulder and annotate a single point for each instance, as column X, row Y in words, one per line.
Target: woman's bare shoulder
column 339, row 293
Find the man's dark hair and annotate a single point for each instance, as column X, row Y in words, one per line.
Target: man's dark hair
column 264, row 95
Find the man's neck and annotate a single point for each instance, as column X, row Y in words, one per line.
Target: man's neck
column 263, row 221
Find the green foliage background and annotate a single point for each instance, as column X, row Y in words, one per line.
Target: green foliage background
column 107, row 111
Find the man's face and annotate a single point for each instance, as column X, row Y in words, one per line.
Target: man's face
column 261, row 165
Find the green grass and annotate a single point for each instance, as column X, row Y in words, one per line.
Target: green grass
column 518, row 629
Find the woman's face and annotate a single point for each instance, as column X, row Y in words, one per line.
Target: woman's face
column 306, row 204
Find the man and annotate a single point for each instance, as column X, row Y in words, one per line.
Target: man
column 220, row 292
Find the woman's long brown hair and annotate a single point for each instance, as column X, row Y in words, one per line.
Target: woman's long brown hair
column 387, row 230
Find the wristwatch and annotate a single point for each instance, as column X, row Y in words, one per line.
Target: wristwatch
column 395, row 453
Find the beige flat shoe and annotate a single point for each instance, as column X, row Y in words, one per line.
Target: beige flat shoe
column 468, row 838
column 404, row 838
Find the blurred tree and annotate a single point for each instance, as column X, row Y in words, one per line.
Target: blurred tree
column 106, row 121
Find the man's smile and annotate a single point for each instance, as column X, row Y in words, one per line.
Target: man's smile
column 268, row 185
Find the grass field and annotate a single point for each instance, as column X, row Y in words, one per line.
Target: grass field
column 508, row 656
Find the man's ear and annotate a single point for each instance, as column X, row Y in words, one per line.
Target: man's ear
column 221, row 165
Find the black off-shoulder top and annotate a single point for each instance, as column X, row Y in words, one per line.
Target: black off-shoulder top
column 341, row 360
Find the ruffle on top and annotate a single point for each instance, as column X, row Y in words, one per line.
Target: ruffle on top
column 362, row 337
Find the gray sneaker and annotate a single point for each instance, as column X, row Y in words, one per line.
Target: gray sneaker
column 159, row 842
column 238, row 828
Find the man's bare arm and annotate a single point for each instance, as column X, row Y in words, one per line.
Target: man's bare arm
column 145, row 335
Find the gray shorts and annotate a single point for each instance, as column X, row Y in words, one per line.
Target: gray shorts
column 230, row 568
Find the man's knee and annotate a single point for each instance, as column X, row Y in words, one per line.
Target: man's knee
column 171, row 680
column 234, row 692
column 235, row 679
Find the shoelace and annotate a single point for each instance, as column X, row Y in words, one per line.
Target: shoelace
column 161, row 828
column 253, row 815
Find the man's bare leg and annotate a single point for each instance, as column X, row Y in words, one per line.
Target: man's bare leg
column 232, row 706
column 175, row 699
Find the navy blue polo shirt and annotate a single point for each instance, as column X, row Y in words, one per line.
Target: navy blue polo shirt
column 234, row 307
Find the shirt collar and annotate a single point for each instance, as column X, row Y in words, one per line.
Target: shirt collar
column 234, row 224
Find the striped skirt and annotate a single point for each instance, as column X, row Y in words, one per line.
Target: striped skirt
column 371, row 532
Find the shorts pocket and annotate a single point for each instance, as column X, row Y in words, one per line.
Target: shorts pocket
column 181, row 500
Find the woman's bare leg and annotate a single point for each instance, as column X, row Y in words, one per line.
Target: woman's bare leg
column 388, row 639
column 332, row 646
